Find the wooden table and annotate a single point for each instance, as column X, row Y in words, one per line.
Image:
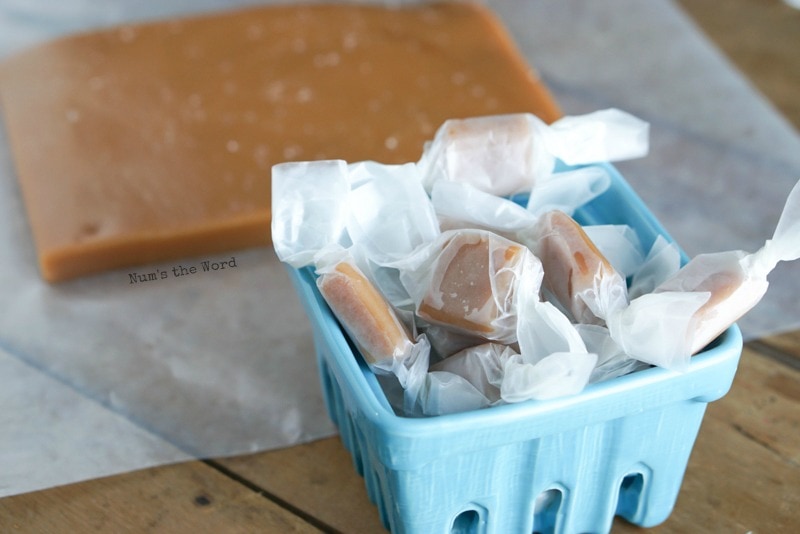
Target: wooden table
column 743, row 476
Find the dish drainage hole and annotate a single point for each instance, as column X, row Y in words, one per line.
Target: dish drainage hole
column 470, row 521
column 545, row 514
column 630, row 491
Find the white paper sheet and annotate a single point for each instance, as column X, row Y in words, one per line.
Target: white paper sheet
column 47, row 423
column 124, row 369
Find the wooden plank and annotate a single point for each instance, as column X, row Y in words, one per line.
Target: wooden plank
column 187, row 497
column 764, row 404
column 762, row 38
column 743, row 475
column 787, row 345
column 318, row 478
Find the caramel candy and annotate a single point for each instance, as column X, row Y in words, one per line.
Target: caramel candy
column 500, row 154
column 733, row 291
column 155, row 141
column 575, row 272
column 364, row 314
column 472, row 285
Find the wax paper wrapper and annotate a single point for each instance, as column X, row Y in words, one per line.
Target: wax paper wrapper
column 379, row 212
column 379, row 334
column 508, row 154
column 332, row 216
column 552, row 361
column 577, row 275
column 390, row 215
column 662, row 261
column 612, row 360
column 373, row 325
column 468, row 280
column 493, row 374
column 380, row 208
column 706, row 296
column 312, row 212
column 463, row 205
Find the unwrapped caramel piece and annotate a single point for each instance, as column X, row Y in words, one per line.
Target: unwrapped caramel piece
column 155, row 141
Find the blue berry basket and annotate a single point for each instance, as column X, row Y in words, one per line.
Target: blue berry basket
column 567, row 465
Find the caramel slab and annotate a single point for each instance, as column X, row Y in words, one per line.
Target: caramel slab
column 151, row 142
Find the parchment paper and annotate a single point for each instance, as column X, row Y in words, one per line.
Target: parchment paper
column 99, row 376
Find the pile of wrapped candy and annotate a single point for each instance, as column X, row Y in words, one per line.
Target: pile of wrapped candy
column 465, row 282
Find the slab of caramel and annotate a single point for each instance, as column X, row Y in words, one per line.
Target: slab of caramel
column 155, row 141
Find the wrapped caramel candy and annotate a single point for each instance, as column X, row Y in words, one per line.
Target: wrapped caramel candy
column 687, row 311
column 469, row 280
column 493, row 374
column 375, row 328
column 735, row 280
column 508, row 154
column 363, row 312
column 498, row 154
column 576, row 273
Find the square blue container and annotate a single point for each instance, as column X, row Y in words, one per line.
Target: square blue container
column 567, row 465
